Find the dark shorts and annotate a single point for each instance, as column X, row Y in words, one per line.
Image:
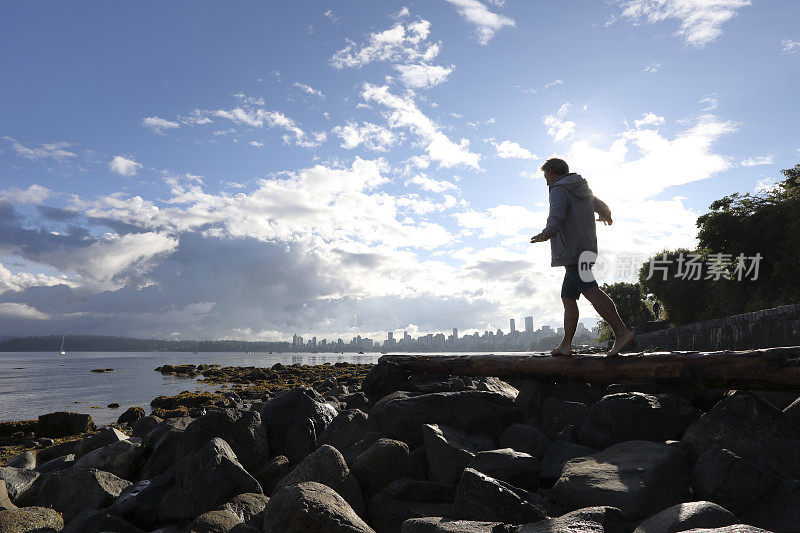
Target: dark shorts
column 573, row 285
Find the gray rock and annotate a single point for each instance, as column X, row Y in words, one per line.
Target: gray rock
column 242, row 430
column 59, row 450
column 533, row 394
column 139, row 503
column 401, row 415
column 438, row 524
column 327, row 466
column 145, row 425
column 164, row 445
column 346, row 429
column 558, row 414
column 94, row 521
column 309, row 507
column 687, row 516
column 738, row 528
column 209, row 478
column 26, row 459
column 586, row 520
column 419, row 464
column 557, row 456
column 449, row 451
column 357, row 400
column 793, row 411
column 131, row 415
column 103, row 438
column 382, row 463
column 778, row 509
column 216, row 521
column 123, row 458
column 723, row 477
column 18, row 480
column 77, row 489
column 525, row 438
column 405, row 498
column 64, row 424
column 31, row 520
column 5, row 501
column 483, row 498
column 640, row 478
column 516, row 468
column 270, row 474
column 752, row 429
column 494, row 384
column 294, row 421
column 59, row 463
column 248, row 507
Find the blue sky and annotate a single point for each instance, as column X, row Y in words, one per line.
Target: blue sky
column 257, row 169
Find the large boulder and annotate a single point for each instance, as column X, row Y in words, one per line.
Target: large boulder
column 438, row 524
column 59, row 463
column 131, row 415
column 586, row 520
column 102, row 438
column 294, row 421
column 640, row 478
column 346, row 429
column 327, row 466
column 687, row 516
column 163, row 445
column 738, row 528
column 26, row 459
column 216, row 521
column 242, row 430
column 558, row 414
column 752, row 429
column 382, row 463
column 17, row 480
column 401, row 415
column 5, row 501
column 77, row 489
column 123, row 458
column 209, row 478
column 516, row 468
column 525, row 438
column 99, row 521
column 635, row 416
column 778, row 509
column 405, row 498
column 533, row 394
column 58, row 450
column 309, row 507
column 721, row 476
column 556, row 457
column 31, row 520
column 449, row 451
column 64, row 424
column 481, row 497
column 139, row 503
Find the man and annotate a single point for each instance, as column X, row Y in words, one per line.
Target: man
column 571, row 232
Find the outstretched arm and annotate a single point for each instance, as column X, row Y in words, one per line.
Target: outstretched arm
column 603, row 210
column 559, row 199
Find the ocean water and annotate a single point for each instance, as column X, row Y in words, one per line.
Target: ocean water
column 34, row 383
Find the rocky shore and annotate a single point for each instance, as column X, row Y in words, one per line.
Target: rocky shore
column 363, row 448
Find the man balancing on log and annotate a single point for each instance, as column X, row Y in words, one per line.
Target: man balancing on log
column 573, row 244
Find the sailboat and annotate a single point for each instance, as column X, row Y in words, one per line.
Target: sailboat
column 63, row 351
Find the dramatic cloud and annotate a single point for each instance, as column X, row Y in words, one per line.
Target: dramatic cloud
column 757, row 160
column 404, row 113
column 370, row 135
column 486, row 22
column 511, row 150
column 55, row 151
column 558, row 127
column 701, row 20
column 124, row 166
column 422, row 76
column 159, row 125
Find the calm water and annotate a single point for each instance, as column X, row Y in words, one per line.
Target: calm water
column 34, row 383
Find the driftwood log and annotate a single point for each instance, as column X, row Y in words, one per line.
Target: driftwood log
column 764, row 369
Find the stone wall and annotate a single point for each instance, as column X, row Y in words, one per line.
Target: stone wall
column 761, row 329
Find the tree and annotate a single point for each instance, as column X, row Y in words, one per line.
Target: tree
column 631, row 306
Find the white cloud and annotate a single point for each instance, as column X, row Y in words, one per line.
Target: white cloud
column 34, row 194
column 55, row 151
column 404, row 113
column 11, row 310
column 652, row 68
column 330, row 15
column 765, row 185
column 790, row 46
column 399, row 44
column 250, row 100
column 511, row 150
column 159, row 125
column 502, row 220
column 757, row 160
column 422, row 76
column 306, row 88
column 258, row 117
column 559, row 128
column 487, row 22
column 16, row 282
column 370, row 135
column 124, row 166
column 649, row 119
column 701, row 20
column 430, row 184
column 710, row 102
column 553, row 83
column 256, row 144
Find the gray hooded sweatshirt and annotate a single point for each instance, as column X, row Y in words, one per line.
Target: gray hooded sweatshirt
column 571, row 223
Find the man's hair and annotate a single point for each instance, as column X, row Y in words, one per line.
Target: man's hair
column 557, row 166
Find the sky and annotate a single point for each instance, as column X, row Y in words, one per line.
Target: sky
column 257, row 169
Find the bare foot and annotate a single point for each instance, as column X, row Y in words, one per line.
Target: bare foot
column 621, row 342
column 562, row 351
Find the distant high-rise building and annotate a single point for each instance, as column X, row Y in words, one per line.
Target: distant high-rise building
column 528, row 324
column 455, row 334
column 406, row 336
column 294, row 339
column 391, row 336
column 513, row 326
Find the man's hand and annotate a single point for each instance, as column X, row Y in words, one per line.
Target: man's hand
column 605, row 219
column 540, row 238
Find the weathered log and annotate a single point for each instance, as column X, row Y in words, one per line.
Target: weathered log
column 764, row 369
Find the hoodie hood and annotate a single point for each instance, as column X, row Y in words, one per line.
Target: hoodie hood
column 575, row 184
